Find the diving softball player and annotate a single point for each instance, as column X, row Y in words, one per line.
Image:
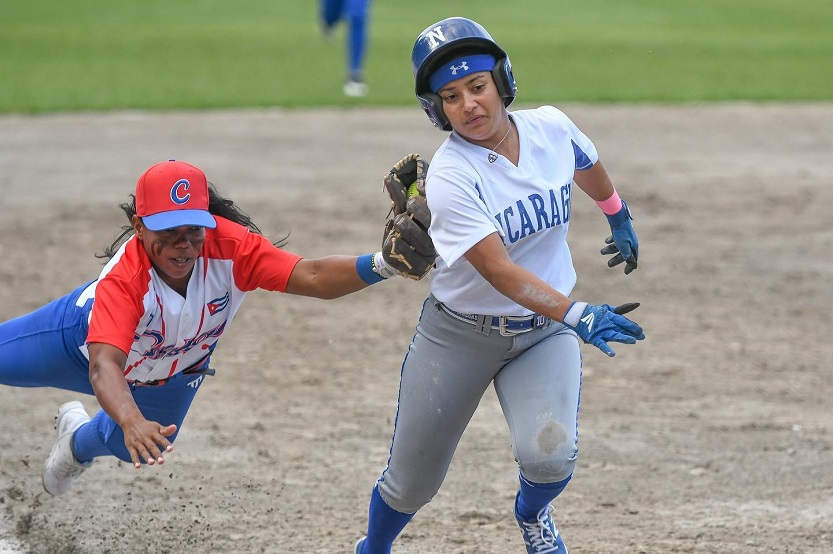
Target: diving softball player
column 140, row 337
column 499, row 189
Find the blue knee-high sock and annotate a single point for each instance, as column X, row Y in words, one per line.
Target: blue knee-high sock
column 384, row 525
column 533, row 497
column 87, row 443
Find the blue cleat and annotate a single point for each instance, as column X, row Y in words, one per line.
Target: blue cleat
column 540, row 534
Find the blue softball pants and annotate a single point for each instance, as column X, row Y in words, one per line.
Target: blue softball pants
column 47, row 348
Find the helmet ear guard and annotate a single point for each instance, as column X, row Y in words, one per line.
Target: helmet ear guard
column 432, row 104
column 505, row 81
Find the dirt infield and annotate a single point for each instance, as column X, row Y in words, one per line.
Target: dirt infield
column 714, row 435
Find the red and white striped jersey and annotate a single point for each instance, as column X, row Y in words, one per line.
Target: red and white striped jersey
column 164, row 333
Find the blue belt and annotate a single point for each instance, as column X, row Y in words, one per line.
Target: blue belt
column 508, row 325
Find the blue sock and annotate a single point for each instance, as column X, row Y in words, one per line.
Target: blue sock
column 533, row 497
column 384, row 525
column 87, row 443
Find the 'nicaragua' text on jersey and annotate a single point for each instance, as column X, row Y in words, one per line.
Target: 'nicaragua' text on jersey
column 528, row 205
column 164, row 333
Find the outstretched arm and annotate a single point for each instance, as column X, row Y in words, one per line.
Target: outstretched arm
column 145, row 440
column 332, row 276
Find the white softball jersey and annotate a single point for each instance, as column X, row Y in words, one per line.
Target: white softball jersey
column 528, row 206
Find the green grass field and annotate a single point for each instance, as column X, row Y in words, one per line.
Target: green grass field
column 154, row 54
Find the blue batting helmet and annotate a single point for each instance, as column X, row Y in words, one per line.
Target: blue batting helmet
column 448, row 39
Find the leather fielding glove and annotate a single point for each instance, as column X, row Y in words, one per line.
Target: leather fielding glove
column 406, row 246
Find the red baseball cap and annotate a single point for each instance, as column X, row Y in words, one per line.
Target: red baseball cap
column 171, row 194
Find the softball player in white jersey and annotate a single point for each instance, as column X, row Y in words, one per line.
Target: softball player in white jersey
column 500, row 191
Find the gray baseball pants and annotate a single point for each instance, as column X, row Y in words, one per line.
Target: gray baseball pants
column 447, row 369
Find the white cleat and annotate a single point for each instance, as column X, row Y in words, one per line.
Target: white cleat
column 60, row 468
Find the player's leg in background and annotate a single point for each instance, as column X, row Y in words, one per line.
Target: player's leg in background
column 329, row 14
column 357, row 13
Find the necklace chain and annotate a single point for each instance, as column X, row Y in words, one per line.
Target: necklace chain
column 493, row 153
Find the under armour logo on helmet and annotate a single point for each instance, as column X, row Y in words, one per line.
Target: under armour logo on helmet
column 463, row 66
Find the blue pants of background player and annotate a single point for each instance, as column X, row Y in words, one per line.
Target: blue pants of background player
column 355, row 12
column 45, row 348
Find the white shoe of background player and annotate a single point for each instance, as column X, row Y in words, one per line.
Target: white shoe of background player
column 355, row 89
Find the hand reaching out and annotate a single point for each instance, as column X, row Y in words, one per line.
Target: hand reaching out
column 601, row 324
column 146, row 441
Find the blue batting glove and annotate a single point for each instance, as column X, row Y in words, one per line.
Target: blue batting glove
column 622, row 241
column 601, row 324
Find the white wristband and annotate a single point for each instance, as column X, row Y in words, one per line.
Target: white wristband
column 380, row 266
column 573, row 315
